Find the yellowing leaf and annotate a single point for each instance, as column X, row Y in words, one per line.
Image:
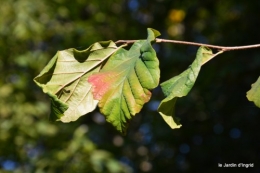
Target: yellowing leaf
column 65, row 80
column 180, row 86
column 123, row 85
column 254, row 93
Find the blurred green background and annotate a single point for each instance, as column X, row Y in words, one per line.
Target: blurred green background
column 219, row 124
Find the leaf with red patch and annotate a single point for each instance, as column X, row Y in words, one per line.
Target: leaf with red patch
column 123, row 85
column 64, row 79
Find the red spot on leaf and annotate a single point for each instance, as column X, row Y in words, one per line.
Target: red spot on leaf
column 101, row 82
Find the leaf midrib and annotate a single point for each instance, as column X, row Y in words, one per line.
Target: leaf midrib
column 89, row 69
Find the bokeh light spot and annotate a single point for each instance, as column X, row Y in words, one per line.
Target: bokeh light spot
column 146, row 166
column 142, row 150
column 176, row 15
column 153, row 105
column 184, row 148
column 133, row 5
column 99, row 118
column 176, row 30
column 235, row 133
column 8, row 165
column 118, row 141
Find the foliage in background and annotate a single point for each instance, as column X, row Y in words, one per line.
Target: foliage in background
column 29, row 32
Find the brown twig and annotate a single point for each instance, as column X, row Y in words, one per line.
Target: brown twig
column 221, row 48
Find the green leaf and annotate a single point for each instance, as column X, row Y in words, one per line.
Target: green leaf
column 180, row 86
column 64, row 79
column 123, row 85
column 254, row 93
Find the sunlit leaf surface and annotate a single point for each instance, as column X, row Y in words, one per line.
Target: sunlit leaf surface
column 64, row 79
column 123, row 85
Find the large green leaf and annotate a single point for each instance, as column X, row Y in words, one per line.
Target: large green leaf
column 254, row 93
column 64, row 79
column 180, row 86
column 123, row 85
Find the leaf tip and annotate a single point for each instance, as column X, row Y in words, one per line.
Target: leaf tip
column 152, row 33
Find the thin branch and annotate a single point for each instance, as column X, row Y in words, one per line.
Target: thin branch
column 221, row 48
